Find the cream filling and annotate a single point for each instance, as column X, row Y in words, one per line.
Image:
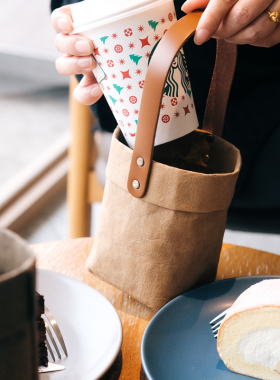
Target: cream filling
column 262, row 347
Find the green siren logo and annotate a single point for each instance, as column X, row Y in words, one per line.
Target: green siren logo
column 172, row 89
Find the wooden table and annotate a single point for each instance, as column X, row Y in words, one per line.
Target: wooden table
column 69, row 257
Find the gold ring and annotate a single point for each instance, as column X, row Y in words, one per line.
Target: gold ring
column 273, row 16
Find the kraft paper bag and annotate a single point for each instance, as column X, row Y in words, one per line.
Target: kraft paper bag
column 164, row 209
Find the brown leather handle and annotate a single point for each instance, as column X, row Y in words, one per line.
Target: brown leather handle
column 155, row 81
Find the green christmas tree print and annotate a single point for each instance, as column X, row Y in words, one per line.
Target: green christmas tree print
column 153, row 24
column 103, row 39
column 113, row 99
column 118, row 88
column 136, row 121
column 135, row 58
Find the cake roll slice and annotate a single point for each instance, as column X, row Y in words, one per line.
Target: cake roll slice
column 249, row 337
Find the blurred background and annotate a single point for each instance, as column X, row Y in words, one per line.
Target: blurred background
column 35, row 136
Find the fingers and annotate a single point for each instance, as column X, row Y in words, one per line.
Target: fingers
column 258, row 30
column 88, row 91
column 242, row 14
column 191, row 5
column 211, row 19
column 271, row 40
column 69, row 65
column 74, row 44
column 61, row 19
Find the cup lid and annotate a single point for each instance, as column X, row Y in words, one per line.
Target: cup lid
column 90, row 14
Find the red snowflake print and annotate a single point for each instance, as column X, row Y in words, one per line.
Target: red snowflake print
column 126, row 75
column 108, row 88
column 133, row 99
column 141, row 28
column 132, row 134
column 174, row 102
column 100, row 63
column 114, row 76
column 162, row 20
column 101, row 85
column 162, row 106
column 183, row 97
column 118, row 48
column 114, row 36
column 141, row 84
column 170, row 17
column 121, row 100
column 106, row 50
column 165, row 31
column 138, row 72
column 121, row 123
column 136, row 112
column 177, row 114
column 131, row 45
column 128, row 32
column 106, row 78
column 165, row 118
column 186, row 109
column 117, row 111
column 129, row 87
column 192, row 105
column 147, row 55
column 144, row 41
column 96, row 52
column 156, row 37
column 129, row 124
column 121, row 61
column 125, row 112
column 110, row 63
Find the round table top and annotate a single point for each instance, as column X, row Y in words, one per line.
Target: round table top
column 69, row 257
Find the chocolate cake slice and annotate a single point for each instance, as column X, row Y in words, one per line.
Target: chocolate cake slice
column 41, row 332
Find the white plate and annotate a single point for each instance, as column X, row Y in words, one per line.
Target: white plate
column 89, row 323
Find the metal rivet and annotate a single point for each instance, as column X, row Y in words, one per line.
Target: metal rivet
column 206, row 159
column 140, row 161
column 210, row 138
column 136, row 184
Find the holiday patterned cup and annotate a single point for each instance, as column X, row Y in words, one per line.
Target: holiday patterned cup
column 123, row 49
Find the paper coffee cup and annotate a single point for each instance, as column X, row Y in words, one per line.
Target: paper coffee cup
column 125, row 35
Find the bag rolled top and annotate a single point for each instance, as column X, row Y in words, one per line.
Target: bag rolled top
column 164, row 209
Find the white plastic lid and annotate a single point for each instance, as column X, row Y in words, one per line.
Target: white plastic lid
column 90, row 14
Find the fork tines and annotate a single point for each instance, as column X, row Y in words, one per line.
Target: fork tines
column 53, row 334
column 216, row 322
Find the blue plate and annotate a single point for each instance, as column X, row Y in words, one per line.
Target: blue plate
column 178, row 343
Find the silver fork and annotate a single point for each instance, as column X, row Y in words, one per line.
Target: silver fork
column 52, row 326
column 216, row 322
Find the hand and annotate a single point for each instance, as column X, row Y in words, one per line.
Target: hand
column 236, row 21
column 77, row 58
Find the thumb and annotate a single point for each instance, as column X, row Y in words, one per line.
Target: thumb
column 88, row 91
